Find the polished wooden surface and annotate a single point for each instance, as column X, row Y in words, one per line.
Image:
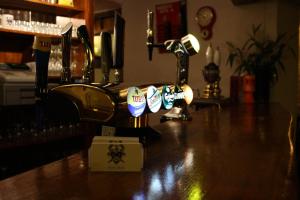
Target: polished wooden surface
column 241, row 152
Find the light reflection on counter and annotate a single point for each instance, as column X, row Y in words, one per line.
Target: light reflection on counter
column 186, row 165
column 167, row 181
column 155, row 185
column 189, row 159
column 195, row 193
column 139, row 196
column 155, row 188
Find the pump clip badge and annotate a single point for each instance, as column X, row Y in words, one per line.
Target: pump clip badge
column 136, row 101
column 167, row 97
column 153, row 99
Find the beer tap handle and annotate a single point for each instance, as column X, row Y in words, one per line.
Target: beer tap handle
column 42, row 47
column 150, row 37
column 83, row 35
column 66, row 33
column 106, row 56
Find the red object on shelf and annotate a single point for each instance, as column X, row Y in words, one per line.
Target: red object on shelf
column 235, row 88
column 169, row 22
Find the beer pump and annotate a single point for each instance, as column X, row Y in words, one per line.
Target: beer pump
column 66, row 33
column 41, row 46
column 182, row 49
column 117, row 105
column 83, row 35
column 87, row 101
column 106, row 56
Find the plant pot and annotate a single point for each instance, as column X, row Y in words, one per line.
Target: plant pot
column 262, row 86
column 236, row 83
column 249, row 88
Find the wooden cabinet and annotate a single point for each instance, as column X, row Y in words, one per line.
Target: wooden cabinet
column 16, row 45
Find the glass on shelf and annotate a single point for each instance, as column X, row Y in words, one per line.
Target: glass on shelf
column 26, row 15
column 7, row 11
column 7, row 18
column 24, row 20
column 55, row 60
column 17, row 15
column 74, row 59
column 17, row 19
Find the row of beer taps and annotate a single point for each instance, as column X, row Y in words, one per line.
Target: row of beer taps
column 101, row 101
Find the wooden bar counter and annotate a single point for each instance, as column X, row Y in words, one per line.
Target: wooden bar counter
column 239, row 152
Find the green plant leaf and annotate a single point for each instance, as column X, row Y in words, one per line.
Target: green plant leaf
column 259, row 54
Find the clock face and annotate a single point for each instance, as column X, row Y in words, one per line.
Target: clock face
column 205, row 16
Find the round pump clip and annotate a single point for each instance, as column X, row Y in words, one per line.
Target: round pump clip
column 136, row 101
column 153, row 99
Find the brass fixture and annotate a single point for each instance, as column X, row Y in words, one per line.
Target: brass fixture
column 211, row 74
column 212, row 78
column 93, row 103
column 107, row 105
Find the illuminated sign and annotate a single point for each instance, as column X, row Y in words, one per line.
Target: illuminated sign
column 153, row 99
column 181, row 93
column 188, row 93
column 167, row 97
column 136, row 101
column 178, row 95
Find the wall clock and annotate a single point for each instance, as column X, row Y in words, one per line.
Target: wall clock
column 206, row 17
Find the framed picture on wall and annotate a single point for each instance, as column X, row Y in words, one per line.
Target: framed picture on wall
column 171, row 21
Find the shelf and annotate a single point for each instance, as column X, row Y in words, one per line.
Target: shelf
column 18, row 32
column 16, row 45
column 38, row 6
column 75, row 40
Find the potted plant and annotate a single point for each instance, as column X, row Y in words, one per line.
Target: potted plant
column 260, row 57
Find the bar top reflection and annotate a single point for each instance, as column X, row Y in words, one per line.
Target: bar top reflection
column 240, row 152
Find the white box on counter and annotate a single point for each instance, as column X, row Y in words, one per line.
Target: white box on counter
column 116, row 154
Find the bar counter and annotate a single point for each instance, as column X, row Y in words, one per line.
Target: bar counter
column 238, row 152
